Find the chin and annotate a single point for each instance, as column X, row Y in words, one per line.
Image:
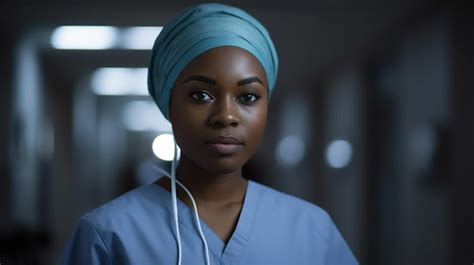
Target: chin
column 222, row 165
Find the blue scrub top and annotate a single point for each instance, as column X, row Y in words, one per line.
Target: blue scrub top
column 273, row 228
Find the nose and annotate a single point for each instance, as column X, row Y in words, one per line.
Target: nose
column 224, row 113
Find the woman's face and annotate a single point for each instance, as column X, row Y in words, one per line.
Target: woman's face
column 218, row 109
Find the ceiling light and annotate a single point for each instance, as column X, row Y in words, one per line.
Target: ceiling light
column 163, row 147
column 139, row 38
column 84, row 37
column 339, row 153
column 117, row 81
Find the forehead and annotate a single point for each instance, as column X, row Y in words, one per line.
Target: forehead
column 223, row 63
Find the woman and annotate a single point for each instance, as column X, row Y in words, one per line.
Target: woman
column 212, row 71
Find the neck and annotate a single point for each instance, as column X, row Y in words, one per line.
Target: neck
column 209, row 187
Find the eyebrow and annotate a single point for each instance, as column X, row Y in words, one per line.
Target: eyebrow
column 249, row 80
column 201, row 78
column 213, row 82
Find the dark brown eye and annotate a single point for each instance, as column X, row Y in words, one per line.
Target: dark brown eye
column 201, row 96
column 249, row 98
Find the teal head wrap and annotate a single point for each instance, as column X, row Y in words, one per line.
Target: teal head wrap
column 201, row 28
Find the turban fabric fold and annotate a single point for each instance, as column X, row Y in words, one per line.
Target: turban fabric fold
column 197, row 30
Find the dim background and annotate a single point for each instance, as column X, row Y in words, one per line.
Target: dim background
column 371, row 119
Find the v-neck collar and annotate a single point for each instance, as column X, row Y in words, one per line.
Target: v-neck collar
column 233, row 251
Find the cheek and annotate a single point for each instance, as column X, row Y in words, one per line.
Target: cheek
column 186, row 129
column 256, row 122
column 184, row 125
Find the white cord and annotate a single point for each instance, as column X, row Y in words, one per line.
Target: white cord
column 198, row 223
column 175, row 204
column 196, row 213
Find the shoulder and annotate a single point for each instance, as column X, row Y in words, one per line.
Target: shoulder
column 290, row 205
column 278, row 198
column 298, row 226
column 134, row 204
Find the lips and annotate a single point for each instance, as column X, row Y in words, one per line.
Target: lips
column 225, row 145
column 224, row 140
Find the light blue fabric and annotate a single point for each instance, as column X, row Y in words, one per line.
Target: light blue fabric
column 273, row 228
column 201, row 28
